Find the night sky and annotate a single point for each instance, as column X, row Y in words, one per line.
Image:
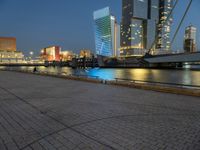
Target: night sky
column 69, row 23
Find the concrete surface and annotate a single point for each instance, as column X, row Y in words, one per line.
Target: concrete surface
column 38, row 112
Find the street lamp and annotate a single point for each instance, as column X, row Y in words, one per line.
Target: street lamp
column 42, row 51
column 31, row 55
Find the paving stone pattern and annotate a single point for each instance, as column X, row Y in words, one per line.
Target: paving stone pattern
column 38, row 112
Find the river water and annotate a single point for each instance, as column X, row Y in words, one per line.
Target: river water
column 184, row 76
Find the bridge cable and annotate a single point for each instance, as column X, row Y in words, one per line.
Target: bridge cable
column 183, row 18
column 163, row 24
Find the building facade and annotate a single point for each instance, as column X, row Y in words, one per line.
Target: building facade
column 138, row 26
column 86, row 53
column 107, row 33
column 8, row 44
column 8, row 51
column 11, row 57
column 190, row 45
column 51, row 53
column 164, row 26
column 66, row 55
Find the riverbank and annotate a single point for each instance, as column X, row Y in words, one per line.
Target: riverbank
column 153, row 86
column 44, row 112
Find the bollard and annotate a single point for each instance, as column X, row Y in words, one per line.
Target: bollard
column 104, row 81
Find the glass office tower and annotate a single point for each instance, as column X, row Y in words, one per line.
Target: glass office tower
column 152, row 23
column 106, row 33
column 138, row 26
column 127, row 14
column 164, row 26
column 137, row 33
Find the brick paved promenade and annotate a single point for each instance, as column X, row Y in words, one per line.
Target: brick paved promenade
column 38, row 112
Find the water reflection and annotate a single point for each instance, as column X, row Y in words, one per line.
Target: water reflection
column 107, row 74
column 158, row 75
column 187, row 77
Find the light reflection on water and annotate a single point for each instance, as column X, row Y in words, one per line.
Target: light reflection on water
column 159, row 75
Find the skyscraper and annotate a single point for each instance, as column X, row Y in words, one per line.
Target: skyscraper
column 164, row 26
column 106, row 33
column 190, row 39
column 138, row 26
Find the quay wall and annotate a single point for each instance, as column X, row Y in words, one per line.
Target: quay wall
column 144, row 86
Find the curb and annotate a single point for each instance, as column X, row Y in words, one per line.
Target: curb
column 157, row 88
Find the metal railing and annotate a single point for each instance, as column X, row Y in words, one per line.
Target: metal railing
column 85, row 76
column 158, row 83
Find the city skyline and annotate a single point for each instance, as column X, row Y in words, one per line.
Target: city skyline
column 34, row 29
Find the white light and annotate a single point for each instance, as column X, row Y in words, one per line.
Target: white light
column 31, row 53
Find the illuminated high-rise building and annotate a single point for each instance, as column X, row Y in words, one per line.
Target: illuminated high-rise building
column 190, row 39
column 164, row 26
column 138, row 26
column 106, row 33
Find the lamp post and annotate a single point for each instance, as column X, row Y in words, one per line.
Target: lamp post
column 31, row 55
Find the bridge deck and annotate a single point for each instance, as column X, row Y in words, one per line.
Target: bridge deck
column 175, row 58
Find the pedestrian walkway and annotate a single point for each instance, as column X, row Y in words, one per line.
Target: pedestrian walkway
column 38, row 112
